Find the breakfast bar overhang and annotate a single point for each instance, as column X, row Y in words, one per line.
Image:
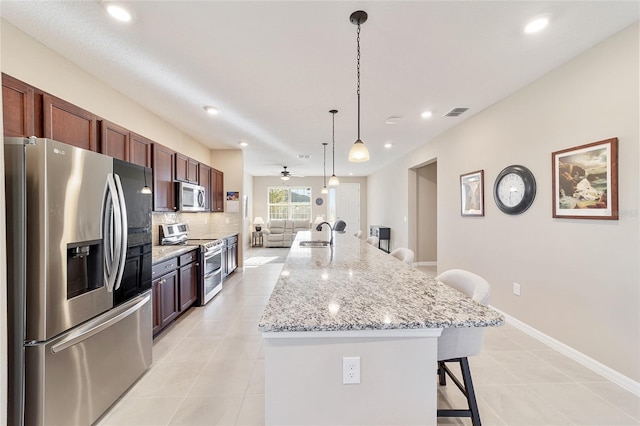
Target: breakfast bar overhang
column 353, row 300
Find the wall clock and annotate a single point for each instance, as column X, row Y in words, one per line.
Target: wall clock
column 319, row 201
column 514, row 189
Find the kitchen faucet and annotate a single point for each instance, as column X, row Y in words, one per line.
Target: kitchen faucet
column 319, row 228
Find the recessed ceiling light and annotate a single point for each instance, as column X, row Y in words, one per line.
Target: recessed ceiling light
column 350, row 173
column 119, row 11
column 537, row 24
column 392, row 120
column 243, row 143
column 388, row 145
column 211, row 110
column 426, row 114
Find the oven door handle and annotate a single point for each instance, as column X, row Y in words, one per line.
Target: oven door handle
column 210, row 274
column 208, row 256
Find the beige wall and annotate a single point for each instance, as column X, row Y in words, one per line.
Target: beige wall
column 260, row 184
column 25, row 58
column 579, row 278
column 231, row 163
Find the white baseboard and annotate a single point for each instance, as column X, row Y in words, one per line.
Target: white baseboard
column 425, row 263
column 596, row 366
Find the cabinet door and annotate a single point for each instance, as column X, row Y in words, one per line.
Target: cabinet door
column 192, row 170
column 169, row 302
column 217, row 197
column 182, row 162
column 156, row 294
column 17, row 107
column 114, row 141
column 188, row 285
column 65, row 122
column 140, row 150
column 204, row 174
column 234, row 254
column 163, row 175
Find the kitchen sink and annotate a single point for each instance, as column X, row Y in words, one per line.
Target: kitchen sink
column 316, row 243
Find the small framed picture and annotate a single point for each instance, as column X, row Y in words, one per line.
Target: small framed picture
column 472, row 193
column 585, row 181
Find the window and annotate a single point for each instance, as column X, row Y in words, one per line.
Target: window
column 289, row 202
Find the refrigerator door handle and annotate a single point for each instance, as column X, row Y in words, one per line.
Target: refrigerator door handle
column 123, row 236
column 90, row 330
column 113, row 233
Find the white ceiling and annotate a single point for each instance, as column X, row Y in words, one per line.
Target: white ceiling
column 275, row 68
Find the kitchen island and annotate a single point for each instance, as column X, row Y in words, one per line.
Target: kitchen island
column 353, row 300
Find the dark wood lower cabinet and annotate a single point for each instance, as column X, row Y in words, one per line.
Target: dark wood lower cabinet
column 169, row 306
column 188, row 286
column 175, row 288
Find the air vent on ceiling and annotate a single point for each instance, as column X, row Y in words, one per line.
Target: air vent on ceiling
column 456, row 112
column 304, row 156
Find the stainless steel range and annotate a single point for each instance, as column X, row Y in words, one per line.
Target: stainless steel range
column 210, row 258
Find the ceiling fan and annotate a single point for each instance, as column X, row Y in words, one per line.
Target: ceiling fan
column 286, row 174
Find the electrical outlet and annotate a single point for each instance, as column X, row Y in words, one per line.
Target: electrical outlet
column 351, row 370
column 516, row 289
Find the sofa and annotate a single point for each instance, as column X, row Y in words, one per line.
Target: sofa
column 281, row 233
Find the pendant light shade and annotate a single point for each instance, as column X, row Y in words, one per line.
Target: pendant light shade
column 333, row 180
column 359, row 151
column 324, row 169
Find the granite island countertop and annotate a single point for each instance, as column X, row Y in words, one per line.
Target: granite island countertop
column 356, row 286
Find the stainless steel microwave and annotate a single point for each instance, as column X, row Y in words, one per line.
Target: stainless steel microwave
column 191, row 198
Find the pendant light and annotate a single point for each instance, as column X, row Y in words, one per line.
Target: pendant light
column 333, row 180
column 324, row 169
column 145, row 189
column 358, row 152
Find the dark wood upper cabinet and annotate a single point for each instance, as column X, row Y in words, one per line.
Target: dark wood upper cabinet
column 186, row 168
column 192, row 170
column 163, row 178
column 140, row 150
column 67, row 123
column 17, row 108
column 181, row 166
column 204, row 175
column 217, row 193
column 115, row 141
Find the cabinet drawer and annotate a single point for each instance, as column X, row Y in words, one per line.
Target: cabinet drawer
column 192, row 256
column 164, row 267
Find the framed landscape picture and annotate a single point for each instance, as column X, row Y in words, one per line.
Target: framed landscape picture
column 585, row 181
column 472, row 193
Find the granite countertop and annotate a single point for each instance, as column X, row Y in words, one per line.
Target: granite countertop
column 356, row 286
column 161, row 253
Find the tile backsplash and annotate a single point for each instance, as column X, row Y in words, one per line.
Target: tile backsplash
column 199, row 223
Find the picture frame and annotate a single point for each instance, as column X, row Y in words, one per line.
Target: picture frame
column 472, row 193
column 585, row 181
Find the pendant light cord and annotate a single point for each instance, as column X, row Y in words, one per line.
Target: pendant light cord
column 358, row 91
column 324, row 165
column 333, row 138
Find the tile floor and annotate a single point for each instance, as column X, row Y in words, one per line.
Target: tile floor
column 209, row 370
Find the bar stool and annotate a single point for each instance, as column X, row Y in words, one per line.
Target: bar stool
column 456, row 344
column 373, row 241
column 403, row 254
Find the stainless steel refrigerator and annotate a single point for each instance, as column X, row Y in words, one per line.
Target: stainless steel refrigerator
column 72, row 350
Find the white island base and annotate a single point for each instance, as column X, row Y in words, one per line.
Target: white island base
column 303, row 377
